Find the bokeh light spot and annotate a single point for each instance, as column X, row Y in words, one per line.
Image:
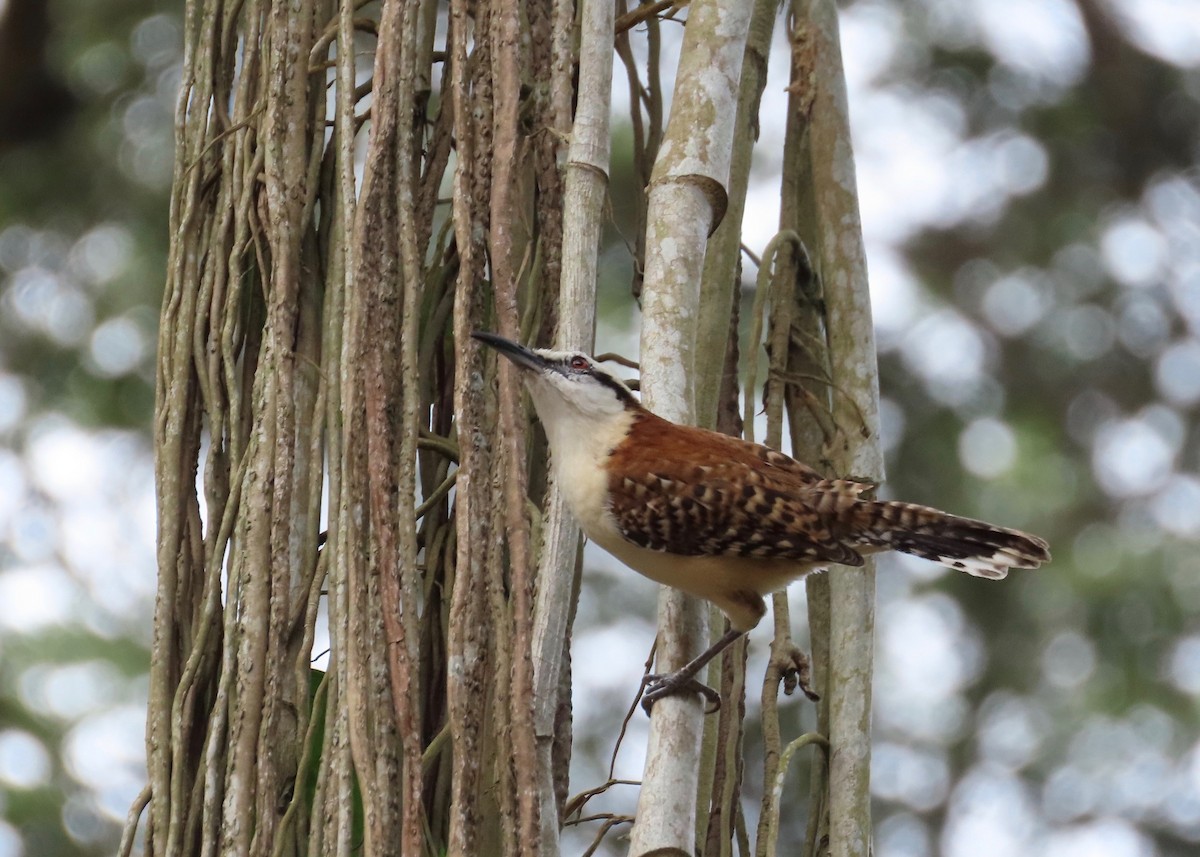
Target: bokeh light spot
column 1042, row 38
column 118, row 346
column 1024, row 162
column 991, row 815
column 1068, row 794
column 1112, row 837
column 102, row 751
column 24, row 760
column 1134, row 251
column 15, row 241
column 1169, row 29
column 100, row 69
column 12, row 402
column 1068, row 660
column 1183, row 665
column 1011, row 730
column 11, row 844
column 902, row 834
column 70, row 691
column 44, row 301
column 102, row 253
column 1131, row 458
column 12, row 486
column 1015, row 303
column 1088, row 331
column 83, row 821
column 157, row 40
column 928, row 655
column 1177, row 372
column 31, row 598
column 916, row 777
column 987, row 448
column 947, row 352
column 891, row 423
column 1177, row 507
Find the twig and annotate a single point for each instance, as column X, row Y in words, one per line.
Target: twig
column 776, row 791
column 131, row 821
column 612, row 822
column 613, row 357
column 576, row 803
column 648, row 10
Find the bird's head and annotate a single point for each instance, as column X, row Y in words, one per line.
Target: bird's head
column 565, row 385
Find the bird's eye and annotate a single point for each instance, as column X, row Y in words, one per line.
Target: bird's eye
column 579, row 363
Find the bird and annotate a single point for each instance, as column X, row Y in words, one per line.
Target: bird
column 719, row 517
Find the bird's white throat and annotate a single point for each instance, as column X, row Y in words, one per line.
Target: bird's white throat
column 583, row 426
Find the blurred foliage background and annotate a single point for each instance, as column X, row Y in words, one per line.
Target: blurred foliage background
column 1031, row 199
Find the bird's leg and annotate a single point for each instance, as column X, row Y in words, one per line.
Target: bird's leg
column 684, row 679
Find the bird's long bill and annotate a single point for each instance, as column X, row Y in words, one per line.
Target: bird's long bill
column 514, row 351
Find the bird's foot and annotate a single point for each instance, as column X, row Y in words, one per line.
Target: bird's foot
column 795, row 670
column 680, row 681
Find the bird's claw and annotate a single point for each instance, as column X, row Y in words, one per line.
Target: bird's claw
column 658, row 686
column 795, row 670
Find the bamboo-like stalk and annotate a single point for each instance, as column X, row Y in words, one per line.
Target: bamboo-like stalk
column 722, row 268
column 809, row 413
column 687, row 201
column 716, row 375
column 583, row 212
column 777, row 276
column 855, row 381
column 841, row 605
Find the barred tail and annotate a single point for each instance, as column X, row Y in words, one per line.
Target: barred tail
column 976, row 547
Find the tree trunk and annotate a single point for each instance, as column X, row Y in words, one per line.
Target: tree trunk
column 687, row 200
column 316, row 372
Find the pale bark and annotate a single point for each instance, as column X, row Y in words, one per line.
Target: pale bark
column 717, row 383
column 686, row 203
column 583, row 214
column 841, row 259
column 842, row 612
